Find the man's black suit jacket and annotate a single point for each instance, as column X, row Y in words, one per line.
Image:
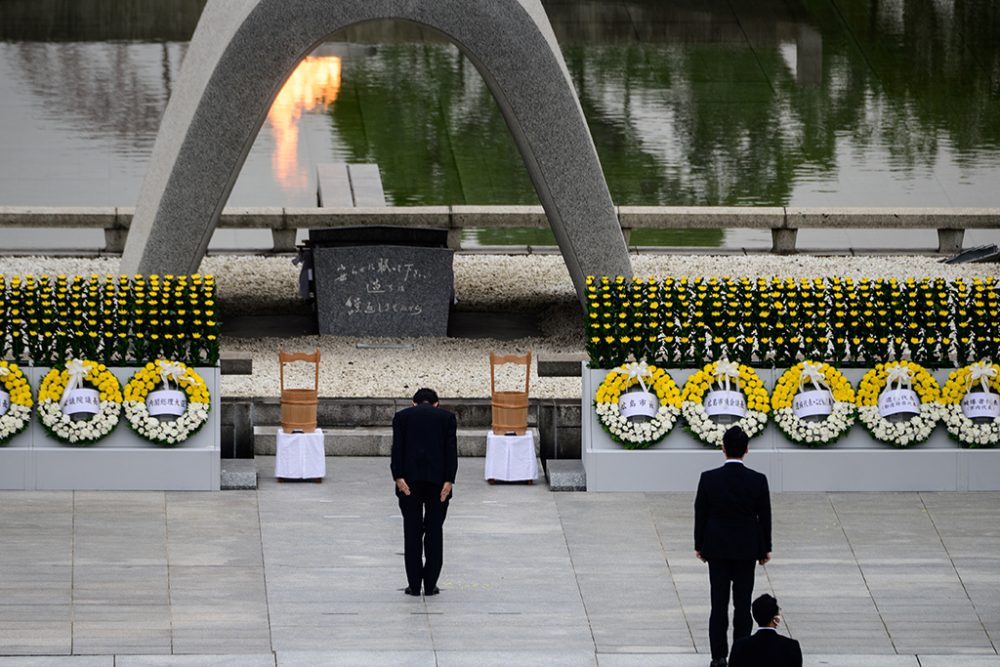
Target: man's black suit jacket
column 424, row 445
column 765, row 649
column 732, row 514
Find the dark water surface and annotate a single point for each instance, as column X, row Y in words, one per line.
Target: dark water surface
column 762, row 102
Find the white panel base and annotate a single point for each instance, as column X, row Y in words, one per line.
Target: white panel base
column 855, row 463
column 118, row 462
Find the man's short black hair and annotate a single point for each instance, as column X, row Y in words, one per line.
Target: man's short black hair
column 735, row 442
column 764, row 609
column 425, row 395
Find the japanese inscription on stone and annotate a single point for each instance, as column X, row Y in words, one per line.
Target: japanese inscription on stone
column 383, row 290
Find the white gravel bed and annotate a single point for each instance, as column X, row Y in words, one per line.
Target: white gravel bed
column 460, row 367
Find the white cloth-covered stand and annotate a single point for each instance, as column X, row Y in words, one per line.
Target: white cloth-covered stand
column 511, row 458
column 300, row 455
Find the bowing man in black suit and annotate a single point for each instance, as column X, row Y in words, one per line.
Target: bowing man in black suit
column 424, row 463
column 766, row 648
column 732, row 532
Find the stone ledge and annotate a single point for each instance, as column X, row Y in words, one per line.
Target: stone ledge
column 238, row 474
column 373, row 441
column 566, row 475
column 560, row 365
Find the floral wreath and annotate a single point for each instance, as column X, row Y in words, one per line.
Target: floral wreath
column 967, row 432
column 54, row 392
column 631, row 434
column 723, row 373
column 166, row 375
column 18, row 414
column 821, row 376
column 905, row 375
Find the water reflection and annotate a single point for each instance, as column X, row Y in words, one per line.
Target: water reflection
column 312, row 87
column 801, row 102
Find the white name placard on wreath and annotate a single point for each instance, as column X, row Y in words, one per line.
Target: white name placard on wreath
column 638, row 404
column 898, row 401
column 725, row 402
column 981, row 405
column 82, row 401
column 816, row 403
column 4, row 403
column 169, row 402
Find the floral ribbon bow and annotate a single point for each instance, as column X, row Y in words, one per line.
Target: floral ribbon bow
column 724, row 370
column 637, row 370
column 170, row 371
column 983, row 371
column 812, row 373
column 77, row 371
column 901, row 375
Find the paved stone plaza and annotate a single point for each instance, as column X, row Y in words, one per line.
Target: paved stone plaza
column 302, row 574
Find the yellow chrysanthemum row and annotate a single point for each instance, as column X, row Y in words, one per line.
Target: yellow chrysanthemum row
column 615, row 384
column 16, row 384
column 147, row 378
column 98, row 376
column 750, row 384
column 875, row 380
column 788, row 385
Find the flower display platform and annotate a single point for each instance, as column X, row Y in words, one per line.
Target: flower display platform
column 857, row 462
column 122, row 460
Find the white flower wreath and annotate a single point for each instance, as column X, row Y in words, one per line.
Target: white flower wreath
column 965, row 430
column 823, row 377
column 724, row 373
column 905, row 374
column 55, row 389
column 18, row 414
column 634, row 434
column 161, row 375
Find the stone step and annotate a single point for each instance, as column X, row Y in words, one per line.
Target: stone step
column 566, row 475
column 371, row 441
column 238, row 474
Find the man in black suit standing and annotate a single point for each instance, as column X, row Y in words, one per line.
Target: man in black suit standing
column 766, row 648
column 424, row 463
column 732, row 532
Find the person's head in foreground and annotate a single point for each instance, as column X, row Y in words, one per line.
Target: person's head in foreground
column 765, row 611
column 735, row 443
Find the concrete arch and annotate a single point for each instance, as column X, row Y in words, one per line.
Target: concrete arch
column 243, row 51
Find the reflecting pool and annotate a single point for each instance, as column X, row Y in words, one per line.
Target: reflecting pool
column 743, row 102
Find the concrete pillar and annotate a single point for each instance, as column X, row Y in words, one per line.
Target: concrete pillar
column 243, row 50
column 783, row 241
column 950, row 241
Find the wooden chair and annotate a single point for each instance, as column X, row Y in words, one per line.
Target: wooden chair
column 510, row 408
column 298, row 406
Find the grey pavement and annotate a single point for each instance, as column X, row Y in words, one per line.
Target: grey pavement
column 302, row 574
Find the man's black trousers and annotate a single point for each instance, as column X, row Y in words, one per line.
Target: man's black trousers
column 723, row 575
column 423, row 518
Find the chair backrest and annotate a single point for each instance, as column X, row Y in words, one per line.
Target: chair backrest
column 289, row 357
column 499, row 360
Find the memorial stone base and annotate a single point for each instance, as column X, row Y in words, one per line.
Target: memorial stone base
column 857, row 462
column 120, row 461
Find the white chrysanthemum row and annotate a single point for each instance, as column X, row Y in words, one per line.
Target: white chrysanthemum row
column 967, row 431
column 711, row 432
column 840, row 419
column 166, row 432
column 14, row 420
column 84, row 431
column 902, row 433
column 636, row 433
